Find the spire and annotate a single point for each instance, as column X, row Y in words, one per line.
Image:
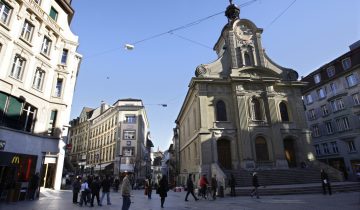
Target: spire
column 232, row 11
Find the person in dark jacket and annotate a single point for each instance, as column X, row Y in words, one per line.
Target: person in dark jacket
column 163, row 189
column 95, row 191
column 190, row 188
column 76, row 189
column 33, row 186
column 325, row 182
column 232, row 183
column 214, row 186
column 255, row 183
column 106, row 184
column 116, row 185
column 148, row 187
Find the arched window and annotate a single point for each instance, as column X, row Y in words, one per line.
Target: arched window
column 255, row 109
column 284, row 112
column 247, row 59
column 261, row 149
column 221, row 111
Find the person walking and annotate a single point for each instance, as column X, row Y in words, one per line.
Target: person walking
column 163, row 189
column 203, row 182
column 84, row 190
column 148, row 187
column 76, row 189
column 325, row 182
column 116, row 185
column 33, row 186
column 232, row 183
column 255, row 183
column 214, row 186
column 125, row 191
column 190, row 188
column 106, row 184
column 95, row 191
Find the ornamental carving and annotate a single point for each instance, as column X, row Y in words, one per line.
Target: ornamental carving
column 200, row 71
column 244, row 35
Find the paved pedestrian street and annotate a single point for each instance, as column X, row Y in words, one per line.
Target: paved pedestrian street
column 62, row 200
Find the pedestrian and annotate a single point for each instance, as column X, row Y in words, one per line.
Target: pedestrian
column 126, row 190
column 255, row 183
column 84, row 190
column 95, row 191
column 76, row 188
column 163, row 189
column 89, row 181
column 106, row 184
column 116, row 184
column 148, row 187
column 214, row 186
column 325, row 182
column 232, row 183
column 33, row 185
column 203, row 182
column 190, row 188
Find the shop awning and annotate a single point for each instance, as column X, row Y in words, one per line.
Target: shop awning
column 97, row 167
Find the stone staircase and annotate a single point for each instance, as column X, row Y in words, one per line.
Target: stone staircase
column 279, row 176
column 299, row 189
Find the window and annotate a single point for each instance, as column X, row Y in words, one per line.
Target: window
column 38, row 1
column 64, row 56
column 312, row 114
column 131, row 119
column 309, row 99
column 342, row 124
column 284, row 112
column 321, row 93
column 247, row 59
column 46, row 45
column 16, row 114
column 333, row 88
column 334, row 147
column 325, row 148
column 58, row 87
column 129, row 135
column 337, row 104
column 221, row 111
column 351, row 80
column 18, row 67
column 329, row 128
column 356, row 98
column 38, row 79
column 317, row 78
column 53, row 13
column 316, row 130
column 346, row 124
column 330, row 71
column 351, row 146
column 255, row 109
column 324, row 110
column 27, row 31
column 128, row 151
column 317, row 149
column 346, row 63
column 5, row 12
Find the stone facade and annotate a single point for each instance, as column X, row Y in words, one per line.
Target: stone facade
column 242, row 111
column 38, row 71
column 332, row 100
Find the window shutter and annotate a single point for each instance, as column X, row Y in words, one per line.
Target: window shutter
column 3, row 98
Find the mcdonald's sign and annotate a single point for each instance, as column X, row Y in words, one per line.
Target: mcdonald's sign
column 15, row 159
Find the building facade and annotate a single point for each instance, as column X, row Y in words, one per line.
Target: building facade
column 112, row 139
column 332, row 100
column 242, row 111
column 38, row 71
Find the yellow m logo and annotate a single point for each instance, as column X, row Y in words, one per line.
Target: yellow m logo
column 15, row 160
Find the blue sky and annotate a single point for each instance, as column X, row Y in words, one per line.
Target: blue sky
column 309, row 34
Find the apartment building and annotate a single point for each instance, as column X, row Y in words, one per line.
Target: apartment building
column 332, row 100
column 39, row 65
column 114, row 140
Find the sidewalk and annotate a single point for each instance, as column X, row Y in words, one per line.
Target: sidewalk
column 62, row 200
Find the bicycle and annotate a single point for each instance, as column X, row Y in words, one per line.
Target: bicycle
column 207, row 194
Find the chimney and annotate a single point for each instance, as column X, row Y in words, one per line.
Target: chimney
column 102, row 107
